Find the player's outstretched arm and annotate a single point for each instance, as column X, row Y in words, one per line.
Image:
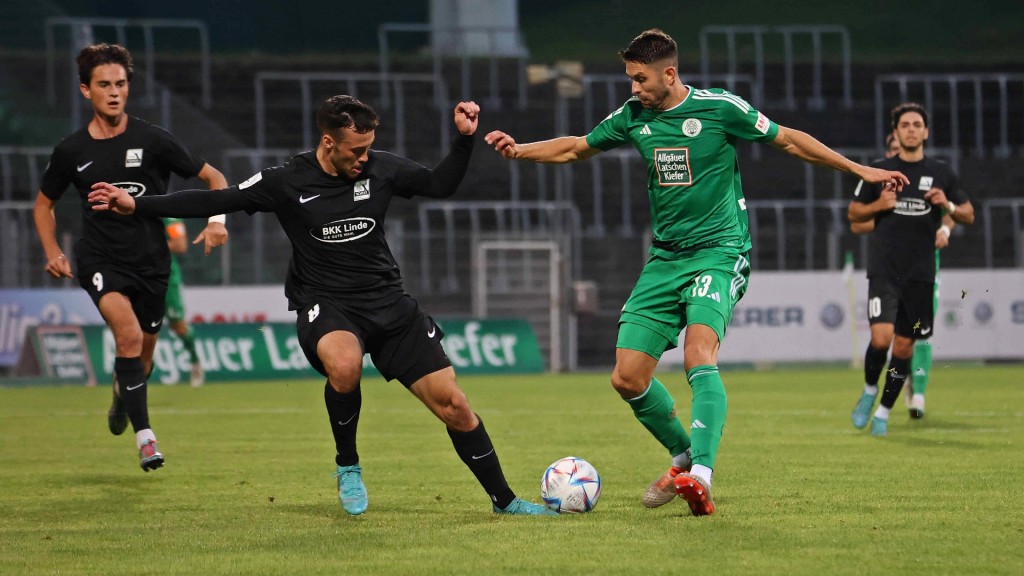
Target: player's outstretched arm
column 555, row 151
column 216, row 233
column 805, row 147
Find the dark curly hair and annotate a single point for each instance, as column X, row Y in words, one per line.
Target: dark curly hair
column 343, row 111
column 99, row 54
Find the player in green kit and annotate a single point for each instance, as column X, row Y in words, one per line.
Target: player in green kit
column 697, row 269
column 177, row 243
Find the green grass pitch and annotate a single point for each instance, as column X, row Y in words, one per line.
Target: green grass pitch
column 248, row 485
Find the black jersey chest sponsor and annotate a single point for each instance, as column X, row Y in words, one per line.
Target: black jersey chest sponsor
column 344, row 230
column 136, row 189
column 912, row 207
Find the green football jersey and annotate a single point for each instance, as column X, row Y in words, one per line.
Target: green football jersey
column 174, row 279
column 693, row 176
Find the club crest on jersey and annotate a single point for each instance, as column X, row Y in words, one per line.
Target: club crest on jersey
column 925, row 183
column 344, row 230
column 134, row 188
column 133, row 158
column 361, row 190
column 691, row 127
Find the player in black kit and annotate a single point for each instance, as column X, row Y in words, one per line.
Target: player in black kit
column 901, row 264
column 122, row 263
column 344, row 284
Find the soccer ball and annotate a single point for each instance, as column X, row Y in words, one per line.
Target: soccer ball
column 570, row 485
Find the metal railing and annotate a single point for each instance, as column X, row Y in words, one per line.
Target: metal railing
column 758, row 34
column 83, row 32
column 955, row 93
column 21, row 184
column 1014, row 209
column 493, row 34
column 499, row 220
column 352, row 81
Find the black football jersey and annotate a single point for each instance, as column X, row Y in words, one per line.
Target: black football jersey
column 336, row 225
column 902, row 245
column 139, row 160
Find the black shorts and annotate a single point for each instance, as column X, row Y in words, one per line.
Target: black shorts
column 146, row 293
column 907, row 304
column 402, row 340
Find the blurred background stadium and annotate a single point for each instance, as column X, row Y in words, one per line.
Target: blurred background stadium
column 561, row 246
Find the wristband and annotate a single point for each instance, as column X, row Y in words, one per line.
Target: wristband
column 945, row 229
column 951, row 207
column 222, row 218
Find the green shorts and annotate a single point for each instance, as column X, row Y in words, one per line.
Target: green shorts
column 699, row 287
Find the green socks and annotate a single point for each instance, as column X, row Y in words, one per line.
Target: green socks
column 189, row 340
column 656, row 410
column 921, row 365
column 709, row 408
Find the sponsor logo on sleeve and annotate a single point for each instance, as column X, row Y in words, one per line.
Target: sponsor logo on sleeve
column 762, row 123
column 133, row 158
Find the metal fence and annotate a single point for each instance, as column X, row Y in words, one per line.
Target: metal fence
column 85, row 31
column 976, row 108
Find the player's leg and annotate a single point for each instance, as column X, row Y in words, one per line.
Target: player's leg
column 328, row 339
column 650, row 324
column 882, row 305
column 130, row 374
column 709, row 302
column 895, row 378
column 921, row 362
column 411, row 353
column 708, row 414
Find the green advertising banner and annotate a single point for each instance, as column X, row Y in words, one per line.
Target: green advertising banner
column 268, row 351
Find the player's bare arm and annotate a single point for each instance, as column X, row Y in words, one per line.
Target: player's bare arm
column 216, row 233
column 805, row 147
column 944, row 231
column 862, row 227
column 555, row 151
column 106, row 196
column 960, row 213
column 57, row 264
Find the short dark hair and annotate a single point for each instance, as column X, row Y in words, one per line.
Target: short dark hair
column 99, row 54
column 343, row 111
column 905, row 107
column 651, row 46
